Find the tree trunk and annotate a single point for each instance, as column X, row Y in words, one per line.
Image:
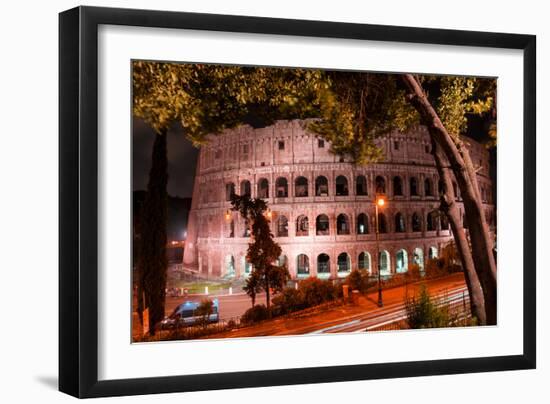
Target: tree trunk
column 448, row 206
column 267, row 295
column 152, row 258
column 481, row 241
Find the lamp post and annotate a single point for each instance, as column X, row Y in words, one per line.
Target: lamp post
column 380, row 202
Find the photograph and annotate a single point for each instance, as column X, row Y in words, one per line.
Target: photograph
column 277, row 201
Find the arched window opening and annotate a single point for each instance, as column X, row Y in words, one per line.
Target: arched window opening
column 428, row 191
column 399, row 223
column 414, row 186
column 300, row 187
column 362, row 224
column 342, row 186
column 282, row 226
column 263, row 188
column 418, row 258
column 401, row 261
column 416, row 223
column 302, row 265
column 342, row 224
column 323, row 264
column 431, row 221
column 281, row 187
column 382, row 225
column 363, row 261
column 397, row 186
column 380, row 185
column 229, row 191
column 245, row 188
column 432, row 253
column 302, row 226
column 344, row 264
column 321, row 186
column 229, row 266
column 322, row 225
column 361, row 185
column 384, row 263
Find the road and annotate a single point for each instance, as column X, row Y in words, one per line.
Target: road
column 231, row 306
column 392, row 313
column 365, row 316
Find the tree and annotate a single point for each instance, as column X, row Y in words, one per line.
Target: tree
column 352, row 110
column 204, row 99
column 263, row 251
column 356, row 108
column 253, row 286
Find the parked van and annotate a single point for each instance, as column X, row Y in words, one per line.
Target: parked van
column 186, row 314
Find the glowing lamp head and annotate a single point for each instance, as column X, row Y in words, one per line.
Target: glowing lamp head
column 269, row 214
column 227, row 215
column 380, row 202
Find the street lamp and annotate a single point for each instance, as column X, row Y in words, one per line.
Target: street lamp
column 227, row 215
column 379, row 203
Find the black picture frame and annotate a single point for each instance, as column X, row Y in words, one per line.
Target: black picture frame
column 78, row 201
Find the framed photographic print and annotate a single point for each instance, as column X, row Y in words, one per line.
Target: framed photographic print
column 251, row 201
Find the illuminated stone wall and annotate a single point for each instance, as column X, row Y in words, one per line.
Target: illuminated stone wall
column 326, row 190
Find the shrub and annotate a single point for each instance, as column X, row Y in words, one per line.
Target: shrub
column 315, row 291
column 422, row 312
column 288, row 301
column 356, row 280
column 256, row 313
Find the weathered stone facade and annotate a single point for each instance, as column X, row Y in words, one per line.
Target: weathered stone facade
column 322, row 206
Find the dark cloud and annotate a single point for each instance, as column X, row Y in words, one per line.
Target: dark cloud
column 182, row 159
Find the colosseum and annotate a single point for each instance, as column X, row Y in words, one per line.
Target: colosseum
column 322, row 206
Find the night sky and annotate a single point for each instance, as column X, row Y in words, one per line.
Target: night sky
column 182, row 159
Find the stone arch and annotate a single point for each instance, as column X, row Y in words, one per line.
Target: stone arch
column 343, row 263
column 321, row 186
column 416, row 223
column 281, row 187
column 229, row 266
column 431, row 220
column 322, row 225
column 397, row 186
column 362, row 224
column 413, row 186
column 302, row 226
column 382, row 223
column 229, row 190
column 300, row 187
column 384, row 263
column 342, row 224
column 263, row 188
column 342, row 188
column 399, row 223
column 246, row 188
column 361, row 188
column 282, row 226
column 428, row 187
column 323, row 264
column 418, row 258
column 364, row 261
column 380, row 184
column 302, row 265
column 401, row 261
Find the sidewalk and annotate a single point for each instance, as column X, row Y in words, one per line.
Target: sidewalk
column 296, row 324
